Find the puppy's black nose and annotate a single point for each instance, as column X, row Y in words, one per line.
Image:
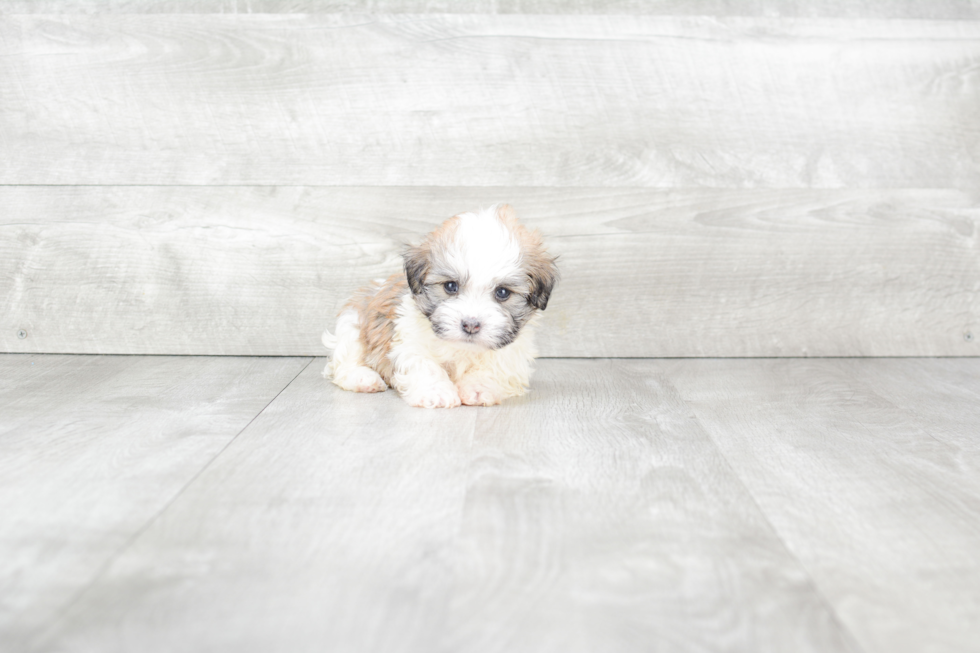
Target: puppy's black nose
column 471, row 326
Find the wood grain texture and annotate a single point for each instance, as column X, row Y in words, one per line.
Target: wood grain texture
column 27, row 382
column 599, row 516
column 92, row 449
column 645, row 272
column 879, row 504
column 906, row 9
column 942, row 396
column 593, row 514
column 489, row 100
column 327, row 525
column 737, row 505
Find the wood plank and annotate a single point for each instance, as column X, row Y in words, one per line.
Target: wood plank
column 600, row 517
column 904, row 9
column 85, row 472
column 28, row 381
column 262, row 270
column 591, row 515
column 943, row 396
column 884, row 515
column 477, row 100
column 327, row 525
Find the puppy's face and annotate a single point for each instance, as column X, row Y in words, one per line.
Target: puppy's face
column 479, row 278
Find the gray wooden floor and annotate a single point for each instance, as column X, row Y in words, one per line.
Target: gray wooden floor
column 244, row 504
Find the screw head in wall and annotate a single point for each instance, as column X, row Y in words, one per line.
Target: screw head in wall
column 22, row 334
column 968, row 336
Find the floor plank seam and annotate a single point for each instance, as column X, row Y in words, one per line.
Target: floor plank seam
column 814, row 587
column 66, row 608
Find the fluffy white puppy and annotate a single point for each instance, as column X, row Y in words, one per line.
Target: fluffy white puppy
column 457, row 325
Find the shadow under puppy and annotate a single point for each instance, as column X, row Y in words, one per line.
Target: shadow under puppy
column 457, row 326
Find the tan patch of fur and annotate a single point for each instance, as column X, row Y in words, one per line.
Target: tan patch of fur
column 507, row 215
column 376, row 307
column 441, row 238
column 444, row 233
column 529, row 239
column 418, row 260
column 539, row 265
column 377, row 304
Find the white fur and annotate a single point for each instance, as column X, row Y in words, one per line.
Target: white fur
column 437, row 373
column 443, row 371
column 486, row 247
column 345, row 367
column 431, row 372
column 488, row 252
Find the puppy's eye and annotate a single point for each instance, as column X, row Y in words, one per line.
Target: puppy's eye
column 451, row 287
column 502, row 294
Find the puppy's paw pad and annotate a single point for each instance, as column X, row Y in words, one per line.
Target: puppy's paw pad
column 376, row 386
column 362, row 379
column 440, row 396
column 477, row 395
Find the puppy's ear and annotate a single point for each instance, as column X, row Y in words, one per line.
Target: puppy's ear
column 416, row 268
column 544, row 275
column 507, row 214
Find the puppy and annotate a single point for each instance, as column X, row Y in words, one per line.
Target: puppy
column 457, row 326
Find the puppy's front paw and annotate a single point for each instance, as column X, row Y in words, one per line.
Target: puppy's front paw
column 360, row 379
column 477, row 395
column 439, row 395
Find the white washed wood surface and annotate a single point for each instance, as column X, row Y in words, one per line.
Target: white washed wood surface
column 930, row 9
column 600, row 516
column 943, row 394
column 489, row 100
column 592, row 515
column 645, row 272
column 327, row 525
column 92, row 449
column 752, row 505
column 880, row 504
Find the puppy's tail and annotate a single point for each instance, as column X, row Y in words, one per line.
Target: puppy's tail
column 329, row 340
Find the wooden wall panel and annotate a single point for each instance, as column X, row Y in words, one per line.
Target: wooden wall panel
column 931, row 9
column 721, row 178
column 262, row 270
column 489, row 100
